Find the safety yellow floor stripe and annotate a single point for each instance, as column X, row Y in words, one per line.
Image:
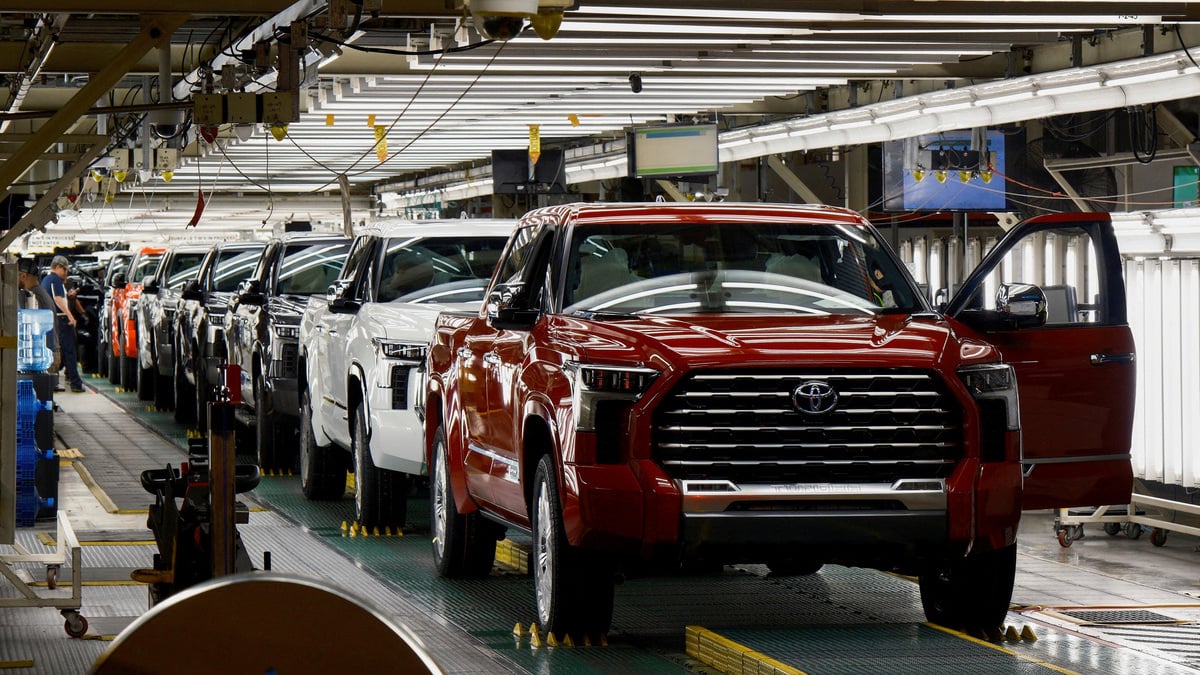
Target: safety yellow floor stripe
column 101, row 496
column 730, row 657
column 985, row 643
column 19, row 663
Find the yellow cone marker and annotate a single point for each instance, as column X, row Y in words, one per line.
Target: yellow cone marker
column 1028, row 635
column 603, row 640
column 1011, row 635
column 535, row 640
column 567, row 641
column 551, row 639
column 587, row 640
column 345, row 526
column 519, row 630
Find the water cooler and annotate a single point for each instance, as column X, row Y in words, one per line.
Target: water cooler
column 37, row 460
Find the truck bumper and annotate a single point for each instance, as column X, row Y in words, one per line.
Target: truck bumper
column 397, row 434
column 285, row 398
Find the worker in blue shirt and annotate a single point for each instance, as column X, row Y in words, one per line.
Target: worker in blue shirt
column 53, row 283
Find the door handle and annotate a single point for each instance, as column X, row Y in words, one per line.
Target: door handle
column 1102, row 359
column 492, row 358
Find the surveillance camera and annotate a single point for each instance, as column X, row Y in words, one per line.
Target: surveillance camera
column 635, row 83
column 501, row 19
column 501, row 28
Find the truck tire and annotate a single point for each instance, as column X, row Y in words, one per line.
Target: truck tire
column 322, row 467
column 574, row 588
column 380, row 495
column 185, row 395
column 464, row 546
column 114, row 367
column 203, row 393
column 972, row 592
column 145, row 381
column 102, row 358
column 164, row 391
column 129, row 368
column 271, row 453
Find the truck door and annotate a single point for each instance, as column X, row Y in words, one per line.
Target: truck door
column 1075, row 372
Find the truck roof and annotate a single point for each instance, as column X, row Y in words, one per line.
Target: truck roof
column 700, row 211
column 290, row 237
column 450, row 226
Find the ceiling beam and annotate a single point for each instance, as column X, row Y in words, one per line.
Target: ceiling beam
column 156, row 31
column 145, row 7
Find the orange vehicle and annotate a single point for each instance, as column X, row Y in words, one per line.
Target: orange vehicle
column 126, row 291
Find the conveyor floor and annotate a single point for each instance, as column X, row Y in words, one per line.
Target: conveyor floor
column 1104, row 605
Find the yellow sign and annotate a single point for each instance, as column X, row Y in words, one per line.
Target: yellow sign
column 381, row 143
column 535, row 143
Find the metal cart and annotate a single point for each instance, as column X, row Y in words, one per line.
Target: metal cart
column 1132, row 519
column 66, row 551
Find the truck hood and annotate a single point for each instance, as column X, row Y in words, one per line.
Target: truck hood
column 730, row 340
column 412, row 322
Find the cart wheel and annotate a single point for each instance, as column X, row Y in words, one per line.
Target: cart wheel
column 1158, row 536
column 1065, row 538
column 1132, row 530
column 76, row 624
column 1112, row 529
column 1077, row 532
column 52, row 577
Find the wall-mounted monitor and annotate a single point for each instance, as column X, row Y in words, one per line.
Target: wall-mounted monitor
column 913, row 170
column 514, row 174
column 673, row 151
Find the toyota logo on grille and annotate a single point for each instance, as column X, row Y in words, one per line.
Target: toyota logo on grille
column 814, row 397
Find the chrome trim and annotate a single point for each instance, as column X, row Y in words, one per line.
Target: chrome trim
column 716, row 496
column 813, row 445
column 512, row 472
column 806, row 462
column 1074, row 460
column 822, row 376
column 864, row 427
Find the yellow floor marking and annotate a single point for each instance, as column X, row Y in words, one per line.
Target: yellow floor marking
column 731, row 657
column 101, row 496
column 70, row 453
column 1030, row 659
column 19, row 663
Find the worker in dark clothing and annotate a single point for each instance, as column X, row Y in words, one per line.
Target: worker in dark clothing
column 36, row 297
column 53, row 283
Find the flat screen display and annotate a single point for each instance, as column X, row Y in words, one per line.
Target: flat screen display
column 673, row 151
column 512, row 173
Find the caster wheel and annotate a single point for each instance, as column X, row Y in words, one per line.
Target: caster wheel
column 76, row 625
column 1112, row 529
column 51, row 578
column 1158, row 536
column 1064, row 537
column 1132, row 530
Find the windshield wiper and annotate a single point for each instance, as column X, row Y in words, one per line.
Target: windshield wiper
column 602, row 315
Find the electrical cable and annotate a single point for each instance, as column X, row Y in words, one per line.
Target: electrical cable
column 402, row 52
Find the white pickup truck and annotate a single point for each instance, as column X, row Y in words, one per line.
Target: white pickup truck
column 362, row 351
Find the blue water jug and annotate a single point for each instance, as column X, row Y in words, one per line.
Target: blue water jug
column 33, row 350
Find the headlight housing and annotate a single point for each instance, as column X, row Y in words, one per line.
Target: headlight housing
column 404, row 351
column 593, row 384
column 287, row 331
column 994, row 381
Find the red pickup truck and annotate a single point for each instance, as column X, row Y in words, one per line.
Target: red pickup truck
column 648, row 385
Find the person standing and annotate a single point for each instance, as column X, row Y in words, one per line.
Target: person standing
column 38, row 298
column 53, row 283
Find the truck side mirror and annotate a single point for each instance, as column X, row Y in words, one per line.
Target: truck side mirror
column 191, row 291
column 1024, row 305
column 118, row 280
column 505, row 310
column 340, row 296
column 148, row 285
column 250, row 293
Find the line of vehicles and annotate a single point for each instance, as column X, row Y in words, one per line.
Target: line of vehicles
column 640, row 387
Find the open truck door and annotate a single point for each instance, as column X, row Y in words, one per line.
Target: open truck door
column 1071, row 347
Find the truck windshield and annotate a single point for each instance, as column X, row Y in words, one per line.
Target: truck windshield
column 438, row 269
column 147, row 264
column 309, row 269
column 762, row 268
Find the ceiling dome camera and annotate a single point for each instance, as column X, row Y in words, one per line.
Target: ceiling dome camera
column 501, row 19
column 499, row 27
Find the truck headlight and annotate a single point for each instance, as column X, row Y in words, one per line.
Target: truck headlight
column 594, row 384
column 994, row 382
column 404, row 351
column 287, row 331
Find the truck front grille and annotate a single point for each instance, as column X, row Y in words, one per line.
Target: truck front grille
column 743, row 426
column 400, row 387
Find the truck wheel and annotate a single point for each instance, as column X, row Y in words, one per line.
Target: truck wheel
column 972, row 592
column 145, row 381
column 380, row 495
column 129, row 368
column 574, row 589
column 185, row 396
column 322, row 468
column 203, row 393
column 102, row 349
column 114, row 367
column 264, row 432
column 463, row 546
column 164, row 389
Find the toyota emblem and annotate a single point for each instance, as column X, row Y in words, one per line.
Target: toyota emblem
column 814, row 397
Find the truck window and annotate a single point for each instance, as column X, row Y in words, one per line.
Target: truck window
column 438, row 269
column 309, row 269
column 184, row 268
column 766, row 268
column 234, row 267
